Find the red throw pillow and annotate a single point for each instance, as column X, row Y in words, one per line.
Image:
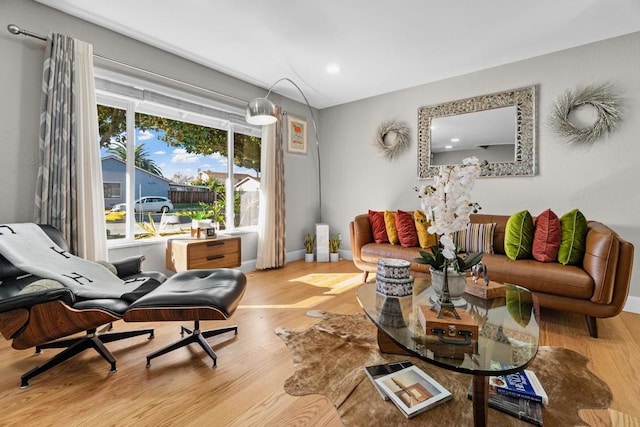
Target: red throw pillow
column 406, row 226
column 546, row 237
column 378, row 227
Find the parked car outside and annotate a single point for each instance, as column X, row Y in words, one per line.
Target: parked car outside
column 147, row 204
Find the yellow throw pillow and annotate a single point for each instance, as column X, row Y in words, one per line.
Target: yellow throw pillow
column 390, row 224
column 424, row 237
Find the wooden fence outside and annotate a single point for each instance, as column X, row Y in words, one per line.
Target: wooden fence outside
column 191, row 197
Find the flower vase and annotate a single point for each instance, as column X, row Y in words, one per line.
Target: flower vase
column 454, row 282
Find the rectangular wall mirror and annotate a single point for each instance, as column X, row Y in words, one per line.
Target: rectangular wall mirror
column 498, row 129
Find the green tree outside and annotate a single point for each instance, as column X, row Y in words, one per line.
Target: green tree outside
column 195, row 139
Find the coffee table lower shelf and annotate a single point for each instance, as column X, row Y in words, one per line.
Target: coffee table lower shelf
column 480, row 382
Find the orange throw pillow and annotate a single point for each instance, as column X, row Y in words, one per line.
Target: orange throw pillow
column 390, row 223
column 405, row 224
column 378, row 228
column 546, row 237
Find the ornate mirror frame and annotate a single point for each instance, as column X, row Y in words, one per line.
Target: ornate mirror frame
column 524, row 163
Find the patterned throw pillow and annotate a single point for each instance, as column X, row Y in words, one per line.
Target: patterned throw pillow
column 574, row 238
column 390, row 223
column 405, row 224
column 41, row 285
column 477, row 237
column 378, row 228
column 518, row 236
column 546, row 237
column 425, row 238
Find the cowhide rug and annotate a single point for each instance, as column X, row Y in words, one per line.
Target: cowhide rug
column 329, row 359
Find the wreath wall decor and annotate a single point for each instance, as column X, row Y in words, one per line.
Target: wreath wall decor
column 399, row 131
column 602, row 98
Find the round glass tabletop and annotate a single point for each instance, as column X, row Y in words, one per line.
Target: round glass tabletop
column 493, row 337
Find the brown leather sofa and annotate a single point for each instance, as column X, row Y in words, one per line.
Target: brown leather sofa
column 598, row 288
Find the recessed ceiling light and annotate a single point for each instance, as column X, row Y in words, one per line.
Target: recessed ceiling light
column 455, row 139
column 333, row 68
column 448, row 147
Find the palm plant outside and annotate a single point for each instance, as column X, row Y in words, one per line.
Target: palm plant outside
column 142, row 157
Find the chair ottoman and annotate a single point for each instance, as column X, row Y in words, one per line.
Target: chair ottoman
column 192, row 295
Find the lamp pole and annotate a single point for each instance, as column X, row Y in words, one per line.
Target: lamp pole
column 262, row 107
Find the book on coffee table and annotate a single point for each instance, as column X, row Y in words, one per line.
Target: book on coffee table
column 376, row 371
column 523, row 384
column 523, row 409
column 413, row 391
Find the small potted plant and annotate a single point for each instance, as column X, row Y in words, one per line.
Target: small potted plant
column 309, row 244
column 200, row 219
column 334, row 247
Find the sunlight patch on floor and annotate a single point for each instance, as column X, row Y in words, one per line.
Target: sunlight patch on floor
column 305, row 303
column 337, row 283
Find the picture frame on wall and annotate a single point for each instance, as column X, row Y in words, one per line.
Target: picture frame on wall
column 296, row 135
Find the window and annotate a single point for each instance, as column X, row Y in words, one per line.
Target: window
column 176, row 163
column 111, row 190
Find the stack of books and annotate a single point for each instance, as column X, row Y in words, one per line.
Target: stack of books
column 520, row 395
column 407, row 386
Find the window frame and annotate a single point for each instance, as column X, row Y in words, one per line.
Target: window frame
column 136, row 101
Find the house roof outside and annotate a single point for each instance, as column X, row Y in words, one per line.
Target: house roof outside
column 222, row 176
column 117, row 159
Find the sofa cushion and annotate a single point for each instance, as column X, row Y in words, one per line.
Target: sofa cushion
column 390, row 223
column 405, row 224
column 372, row 252
column 574, row 237
column 378, row 227
column 548, row 278
column 425, row 238
column 518, row 238
column 546, row 237
column 476, row 237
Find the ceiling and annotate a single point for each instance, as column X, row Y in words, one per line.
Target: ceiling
column 380, row 45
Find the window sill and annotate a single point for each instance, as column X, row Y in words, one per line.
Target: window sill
column 124, row 243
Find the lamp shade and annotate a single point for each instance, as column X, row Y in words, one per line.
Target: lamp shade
column 261, row 111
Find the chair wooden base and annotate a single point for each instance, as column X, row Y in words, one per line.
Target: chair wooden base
column 73, row 346
column 195, row 336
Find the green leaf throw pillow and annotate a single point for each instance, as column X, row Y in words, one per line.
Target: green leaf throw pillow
column 574, row 238
column 518, row 236
column 519, row 305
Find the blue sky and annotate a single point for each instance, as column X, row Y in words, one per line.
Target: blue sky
column 173, row 160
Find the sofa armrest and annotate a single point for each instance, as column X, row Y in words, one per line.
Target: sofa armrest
column 608, row 259
column 360, row 234
column 129, row 266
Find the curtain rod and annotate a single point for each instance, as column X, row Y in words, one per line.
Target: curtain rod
column 15, row 30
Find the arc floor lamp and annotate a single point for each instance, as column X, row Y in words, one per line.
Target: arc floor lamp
column 261, row 111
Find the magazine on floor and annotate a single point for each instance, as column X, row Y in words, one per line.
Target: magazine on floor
column 523, row 409
column 376, row 371
column 413, row 391
column 524, row 384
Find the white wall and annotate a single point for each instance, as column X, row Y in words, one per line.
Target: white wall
column 20, row 76
column 601, row 180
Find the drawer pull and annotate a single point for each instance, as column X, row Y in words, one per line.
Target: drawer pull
column 218, row 243
column 212, row 257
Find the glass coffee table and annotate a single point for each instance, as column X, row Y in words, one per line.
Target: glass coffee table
column 506, row 341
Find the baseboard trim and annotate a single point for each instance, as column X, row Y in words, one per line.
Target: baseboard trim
column 632, row 305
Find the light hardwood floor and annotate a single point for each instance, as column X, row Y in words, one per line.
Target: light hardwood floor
column 245, row 389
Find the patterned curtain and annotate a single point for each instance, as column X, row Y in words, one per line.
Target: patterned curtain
column 271, row 242
column 69, row 192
